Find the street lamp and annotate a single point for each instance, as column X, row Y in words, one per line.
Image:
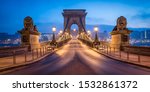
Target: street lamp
column 96, row 29
column 96, row 35
column 96, row 41
column 74, row 30
column 61, row 32
column 54, row 30
column 89, row 33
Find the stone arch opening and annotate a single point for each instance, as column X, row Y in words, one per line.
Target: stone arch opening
column 74, row 29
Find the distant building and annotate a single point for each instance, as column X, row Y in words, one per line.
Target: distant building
column 46, row 37
column 3, row 36
column 135, row 35
column 9, row 39
column 104, row 36
column 145, row 35
column 140, row 38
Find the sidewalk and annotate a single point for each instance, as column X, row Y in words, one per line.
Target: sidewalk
column 140, row 60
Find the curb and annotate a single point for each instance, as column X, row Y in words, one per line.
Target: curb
column 124, row 61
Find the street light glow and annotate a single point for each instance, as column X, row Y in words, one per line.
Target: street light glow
column 96, row 29
column 54, row 29
column 74, row 30
column 89, row 32
column 61, row 32
column 67, row 33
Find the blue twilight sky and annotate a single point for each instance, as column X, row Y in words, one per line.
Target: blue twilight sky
column 44, row 12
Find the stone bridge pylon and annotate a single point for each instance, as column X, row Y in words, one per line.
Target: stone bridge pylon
column 74, row 16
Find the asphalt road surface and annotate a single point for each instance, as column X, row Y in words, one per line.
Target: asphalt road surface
column 76, row 58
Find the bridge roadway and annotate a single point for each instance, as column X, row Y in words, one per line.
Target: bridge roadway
column 76, row 58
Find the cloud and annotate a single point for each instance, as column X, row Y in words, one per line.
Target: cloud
column 143, row 15
column 141, row 19
column 96, row 21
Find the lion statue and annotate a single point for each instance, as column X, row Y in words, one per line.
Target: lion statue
column 28, row 23
column 121, row 24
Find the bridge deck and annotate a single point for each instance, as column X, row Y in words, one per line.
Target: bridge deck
column 77, row 58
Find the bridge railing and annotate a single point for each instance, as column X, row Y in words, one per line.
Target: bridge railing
column 21, row 56
column 87, row 42
column 4, row 51
column 126, row 56
column 63, row 42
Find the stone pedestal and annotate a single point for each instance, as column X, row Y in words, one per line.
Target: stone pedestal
column 120, row 39
column 34, row 41
column 30, row 39
column 116, row 41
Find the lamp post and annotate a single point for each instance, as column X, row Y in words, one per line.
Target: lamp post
column 53, row 40
column 96, row 35
column 96, row 40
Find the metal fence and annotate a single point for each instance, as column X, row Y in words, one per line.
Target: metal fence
column 22, row 56
column 128, row 56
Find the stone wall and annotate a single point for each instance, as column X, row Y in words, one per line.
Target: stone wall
column 137, row 50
